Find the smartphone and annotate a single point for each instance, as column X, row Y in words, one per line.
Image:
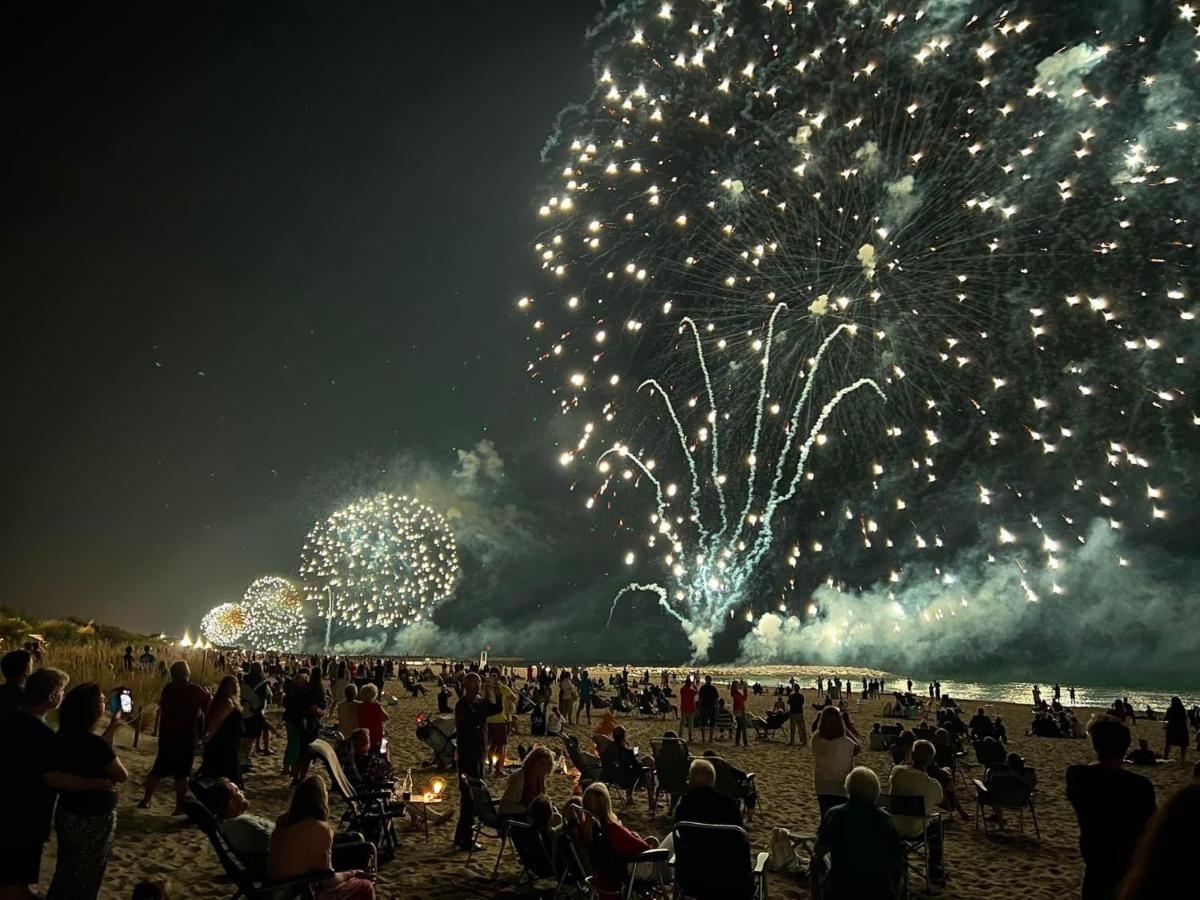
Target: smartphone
column 383, row 746
column 127, row 701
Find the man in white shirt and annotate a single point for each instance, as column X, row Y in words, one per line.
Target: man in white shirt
column 913, row 780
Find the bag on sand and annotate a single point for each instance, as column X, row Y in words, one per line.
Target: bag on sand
column 785, row 855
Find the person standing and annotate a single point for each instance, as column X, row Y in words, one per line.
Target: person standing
column 1112, row 806
column 16, row 666
column 497, row 725
column 86, row 820
column 223, row 734
column 567, row 694
column 585, row 696
column 179, row 710
column 796, row 724
column 471, row 713
column 27, row 753
column 737, row 695
column 707, row 698
column 687, row 707
column 833, row 757
column 1175, row 728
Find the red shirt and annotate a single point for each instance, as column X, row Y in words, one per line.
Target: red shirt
column 370, row 717
column 687, row 698
column 624, row 845
column 739, row 699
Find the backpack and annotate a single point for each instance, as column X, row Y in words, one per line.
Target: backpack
column 252, row 702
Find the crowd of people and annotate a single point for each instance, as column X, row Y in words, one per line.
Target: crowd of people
column 65, row 779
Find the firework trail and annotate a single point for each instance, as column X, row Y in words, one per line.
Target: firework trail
column 989, row 207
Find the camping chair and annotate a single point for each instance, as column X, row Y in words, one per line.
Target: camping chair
column 247, row 884
column 539, row 862
column 613, row 773
column 1005, row 792
column 671, row 763
column 595, row 856
column 589, row 766
column 989, row 757
column 729, row 784
column 766, row 726
column 487, row 815
column 913, row 806
column 713, row 862
column 368, row 811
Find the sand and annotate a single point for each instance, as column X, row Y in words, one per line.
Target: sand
column 150, row 844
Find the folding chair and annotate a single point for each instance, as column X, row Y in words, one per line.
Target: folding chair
column 729, row 784
column 589, row 766
column 671, row 762
column 613, row 773
column 487, row 815
column 713, row 862
column 913, row 806
column 539, row 862
column 1006, row 792
column 370, row 810
column 248, row 885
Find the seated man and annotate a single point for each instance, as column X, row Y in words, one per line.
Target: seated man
column 914, row 781
column 749, row 793
column 702, row 802
column 1143, row 755
column 249, row 836
column 866, row 858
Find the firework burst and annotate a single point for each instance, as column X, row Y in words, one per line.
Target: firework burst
column 274, row 615
column 987, row 211
column 223, row 625
column 381, row 562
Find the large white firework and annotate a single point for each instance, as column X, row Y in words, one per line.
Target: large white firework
column 989, row 207
column 274, row 615
column 224, row 625
column 381, row 562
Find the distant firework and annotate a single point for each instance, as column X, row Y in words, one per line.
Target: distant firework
column 223, row 625
column 984, row 212
column 383, row 562
column 274, row 615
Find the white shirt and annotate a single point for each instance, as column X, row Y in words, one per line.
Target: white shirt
column 554, row 723
column 905, row 781
column 832, row 762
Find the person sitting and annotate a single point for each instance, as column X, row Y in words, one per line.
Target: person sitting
column 1112, row 806
column 702, row 802
column 364, row 769
column 981, row 726
column 1143, row 755
column 347, row 710
column 903, row 746
column 443, row 699
column 914, row 781
column 1012, row 767
column 1000, row 730
column 877, row 740
column 631, row 770
column 607, row 724
column 748, row 791
column 865, row 856
column 527, row 783
column 614, row 847
column 371, row 715
column 302, row 842
column 554, row 722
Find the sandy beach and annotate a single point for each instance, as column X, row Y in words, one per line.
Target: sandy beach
column 150, row 844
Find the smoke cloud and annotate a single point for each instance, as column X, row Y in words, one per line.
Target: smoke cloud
column 1108, row 612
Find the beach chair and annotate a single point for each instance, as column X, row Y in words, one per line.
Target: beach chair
column 614, row 774
column 766, row 726
column 730, row 785
column 1006, row 792
column 540, row 863
column 487, row 816
column 247, row 884
column 913, row 806
column 369, row 811
column 714, row 862
column 671, row 762
column 595, row 858
column 588, row 765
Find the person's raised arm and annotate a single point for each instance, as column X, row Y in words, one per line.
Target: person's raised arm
column 111, row 728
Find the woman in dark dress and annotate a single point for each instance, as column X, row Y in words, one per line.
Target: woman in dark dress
column 223, row 734
column 1176, row 727
column 85, row 820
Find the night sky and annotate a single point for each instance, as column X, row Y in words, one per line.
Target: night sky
column 252, row 253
